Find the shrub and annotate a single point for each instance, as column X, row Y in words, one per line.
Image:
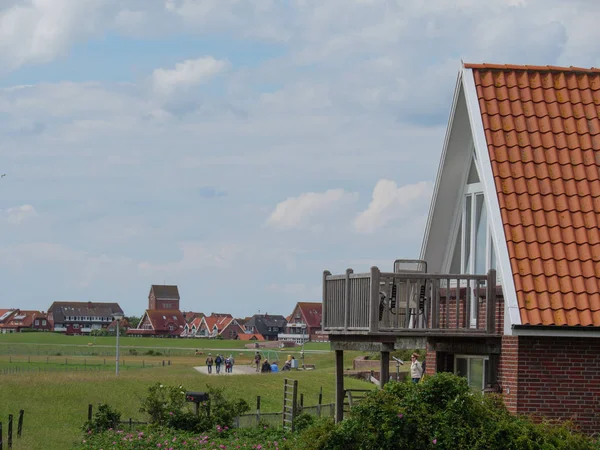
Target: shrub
column 162, row 402
column 105, row 418
column 442, row 412
column 133, row 352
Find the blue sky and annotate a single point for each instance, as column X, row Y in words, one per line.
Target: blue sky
column 235, row 148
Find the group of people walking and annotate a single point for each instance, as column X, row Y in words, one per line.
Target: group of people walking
column 218, row 362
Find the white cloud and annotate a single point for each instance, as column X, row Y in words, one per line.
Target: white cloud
column 191, row 72
column 196, row 256
column 308, row 209
column 391, row 203
column 20, row 214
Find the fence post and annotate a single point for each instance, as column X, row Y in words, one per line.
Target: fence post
column 10, row 423
column 301, row 403
column 257, row 409
column 130, row 424
column 20, row 423
column 90, row 412
column 320, row 402
column 0, row 435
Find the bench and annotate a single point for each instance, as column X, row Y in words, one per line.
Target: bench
column 308, row 367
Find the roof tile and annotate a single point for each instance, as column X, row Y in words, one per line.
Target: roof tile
column 542, row 126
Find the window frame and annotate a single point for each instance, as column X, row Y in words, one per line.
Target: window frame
column 486, row 362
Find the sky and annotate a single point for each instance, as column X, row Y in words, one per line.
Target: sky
column 236, row 148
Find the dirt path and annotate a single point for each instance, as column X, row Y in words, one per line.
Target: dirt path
column 241, row 369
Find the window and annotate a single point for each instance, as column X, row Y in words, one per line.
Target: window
column 473, row 251
column 76, row 326
column 43, row 322
column 474, row 368
column 37, row 322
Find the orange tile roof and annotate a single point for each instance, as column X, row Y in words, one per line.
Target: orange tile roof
column 542, row 129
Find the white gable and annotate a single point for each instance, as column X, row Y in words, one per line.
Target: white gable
column 465, row 158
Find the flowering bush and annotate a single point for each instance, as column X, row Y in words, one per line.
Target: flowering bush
column 104, row 419
column 440, row 413
column 168, row 439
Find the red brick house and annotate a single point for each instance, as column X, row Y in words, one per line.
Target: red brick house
column 506, row 292
column 159, row 323
column 21, row 319
column 223, row 325
column 163, row 317
column 81, row 317
column 304, row 323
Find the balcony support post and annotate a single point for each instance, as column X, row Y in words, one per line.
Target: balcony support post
column 384, row 369
column 339, row 386
column 374, row 301
column 347, row 294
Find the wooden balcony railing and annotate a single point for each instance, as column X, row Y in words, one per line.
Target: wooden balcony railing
column 409, row 303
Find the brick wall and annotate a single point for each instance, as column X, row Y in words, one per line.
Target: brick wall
column 430, row 360
column 508, row 368
column 559, row 378
column 450, row 319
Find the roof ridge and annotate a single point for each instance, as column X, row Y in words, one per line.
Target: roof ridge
column 528, row 68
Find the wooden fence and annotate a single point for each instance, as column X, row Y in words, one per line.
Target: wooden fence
column 9, row 435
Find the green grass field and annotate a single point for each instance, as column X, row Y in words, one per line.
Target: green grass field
column 56, row 400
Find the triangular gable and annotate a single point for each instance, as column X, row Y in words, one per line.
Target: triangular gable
column 145, row 320
column 464, row 158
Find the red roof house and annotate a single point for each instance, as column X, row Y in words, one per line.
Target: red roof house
column 223, row 325
column 506, row 292
column 162, row 323
column 304, row 323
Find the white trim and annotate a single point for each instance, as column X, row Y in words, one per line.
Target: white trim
column 554, row 333
column 438, row 177
column 512, row 315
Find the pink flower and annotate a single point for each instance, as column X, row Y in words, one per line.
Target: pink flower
column 434, row 441
column 400, row 415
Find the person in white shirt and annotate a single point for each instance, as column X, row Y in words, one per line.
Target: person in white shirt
column 416, row 370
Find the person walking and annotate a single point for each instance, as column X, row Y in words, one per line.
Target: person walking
column 231, row 363
column 209, row 363
column 218, row 362
column 416, row 370
column 257, row 361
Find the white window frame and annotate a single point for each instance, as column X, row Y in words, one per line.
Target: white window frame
column 486, row 362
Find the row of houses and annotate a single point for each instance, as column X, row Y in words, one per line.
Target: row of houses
column 163, row 318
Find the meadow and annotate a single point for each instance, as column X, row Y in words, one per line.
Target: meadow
column 56, row 401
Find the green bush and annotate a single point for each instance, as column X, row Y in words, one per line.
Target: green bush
column 442, row 413
column 105, row 418
column 166, row 406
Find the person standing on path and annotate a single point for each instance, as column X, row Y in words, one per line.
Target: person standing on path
column 209, row 363
column 416, row 370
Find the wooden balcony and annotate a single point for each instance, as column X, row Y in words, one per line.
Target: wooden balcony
column 414, row 304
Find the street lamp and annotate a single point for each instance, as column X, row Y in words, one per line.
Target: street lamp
column 118, row 316
column 303, row 339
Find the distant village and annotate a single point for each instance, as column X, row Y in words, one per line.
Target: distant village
column 164, row 319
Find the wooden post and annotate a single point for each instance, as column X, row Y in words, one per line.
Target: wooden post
column 0, row 435
column 374, row 301
column 384, row 368
column 339, row 385
column 90, row 412
column 10, row 424
column 490, row 298
column 320, row 402
column 326, row 273
column 347, row 299
column 20, row 423
column 301, row 403
column 257, row 409
column 130, row 424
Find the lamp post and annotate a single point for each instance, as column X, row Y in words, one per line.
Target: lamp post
column 118, row 316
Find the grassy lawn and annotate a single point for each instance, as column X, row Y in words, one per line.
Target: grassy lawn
column 55, row 403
